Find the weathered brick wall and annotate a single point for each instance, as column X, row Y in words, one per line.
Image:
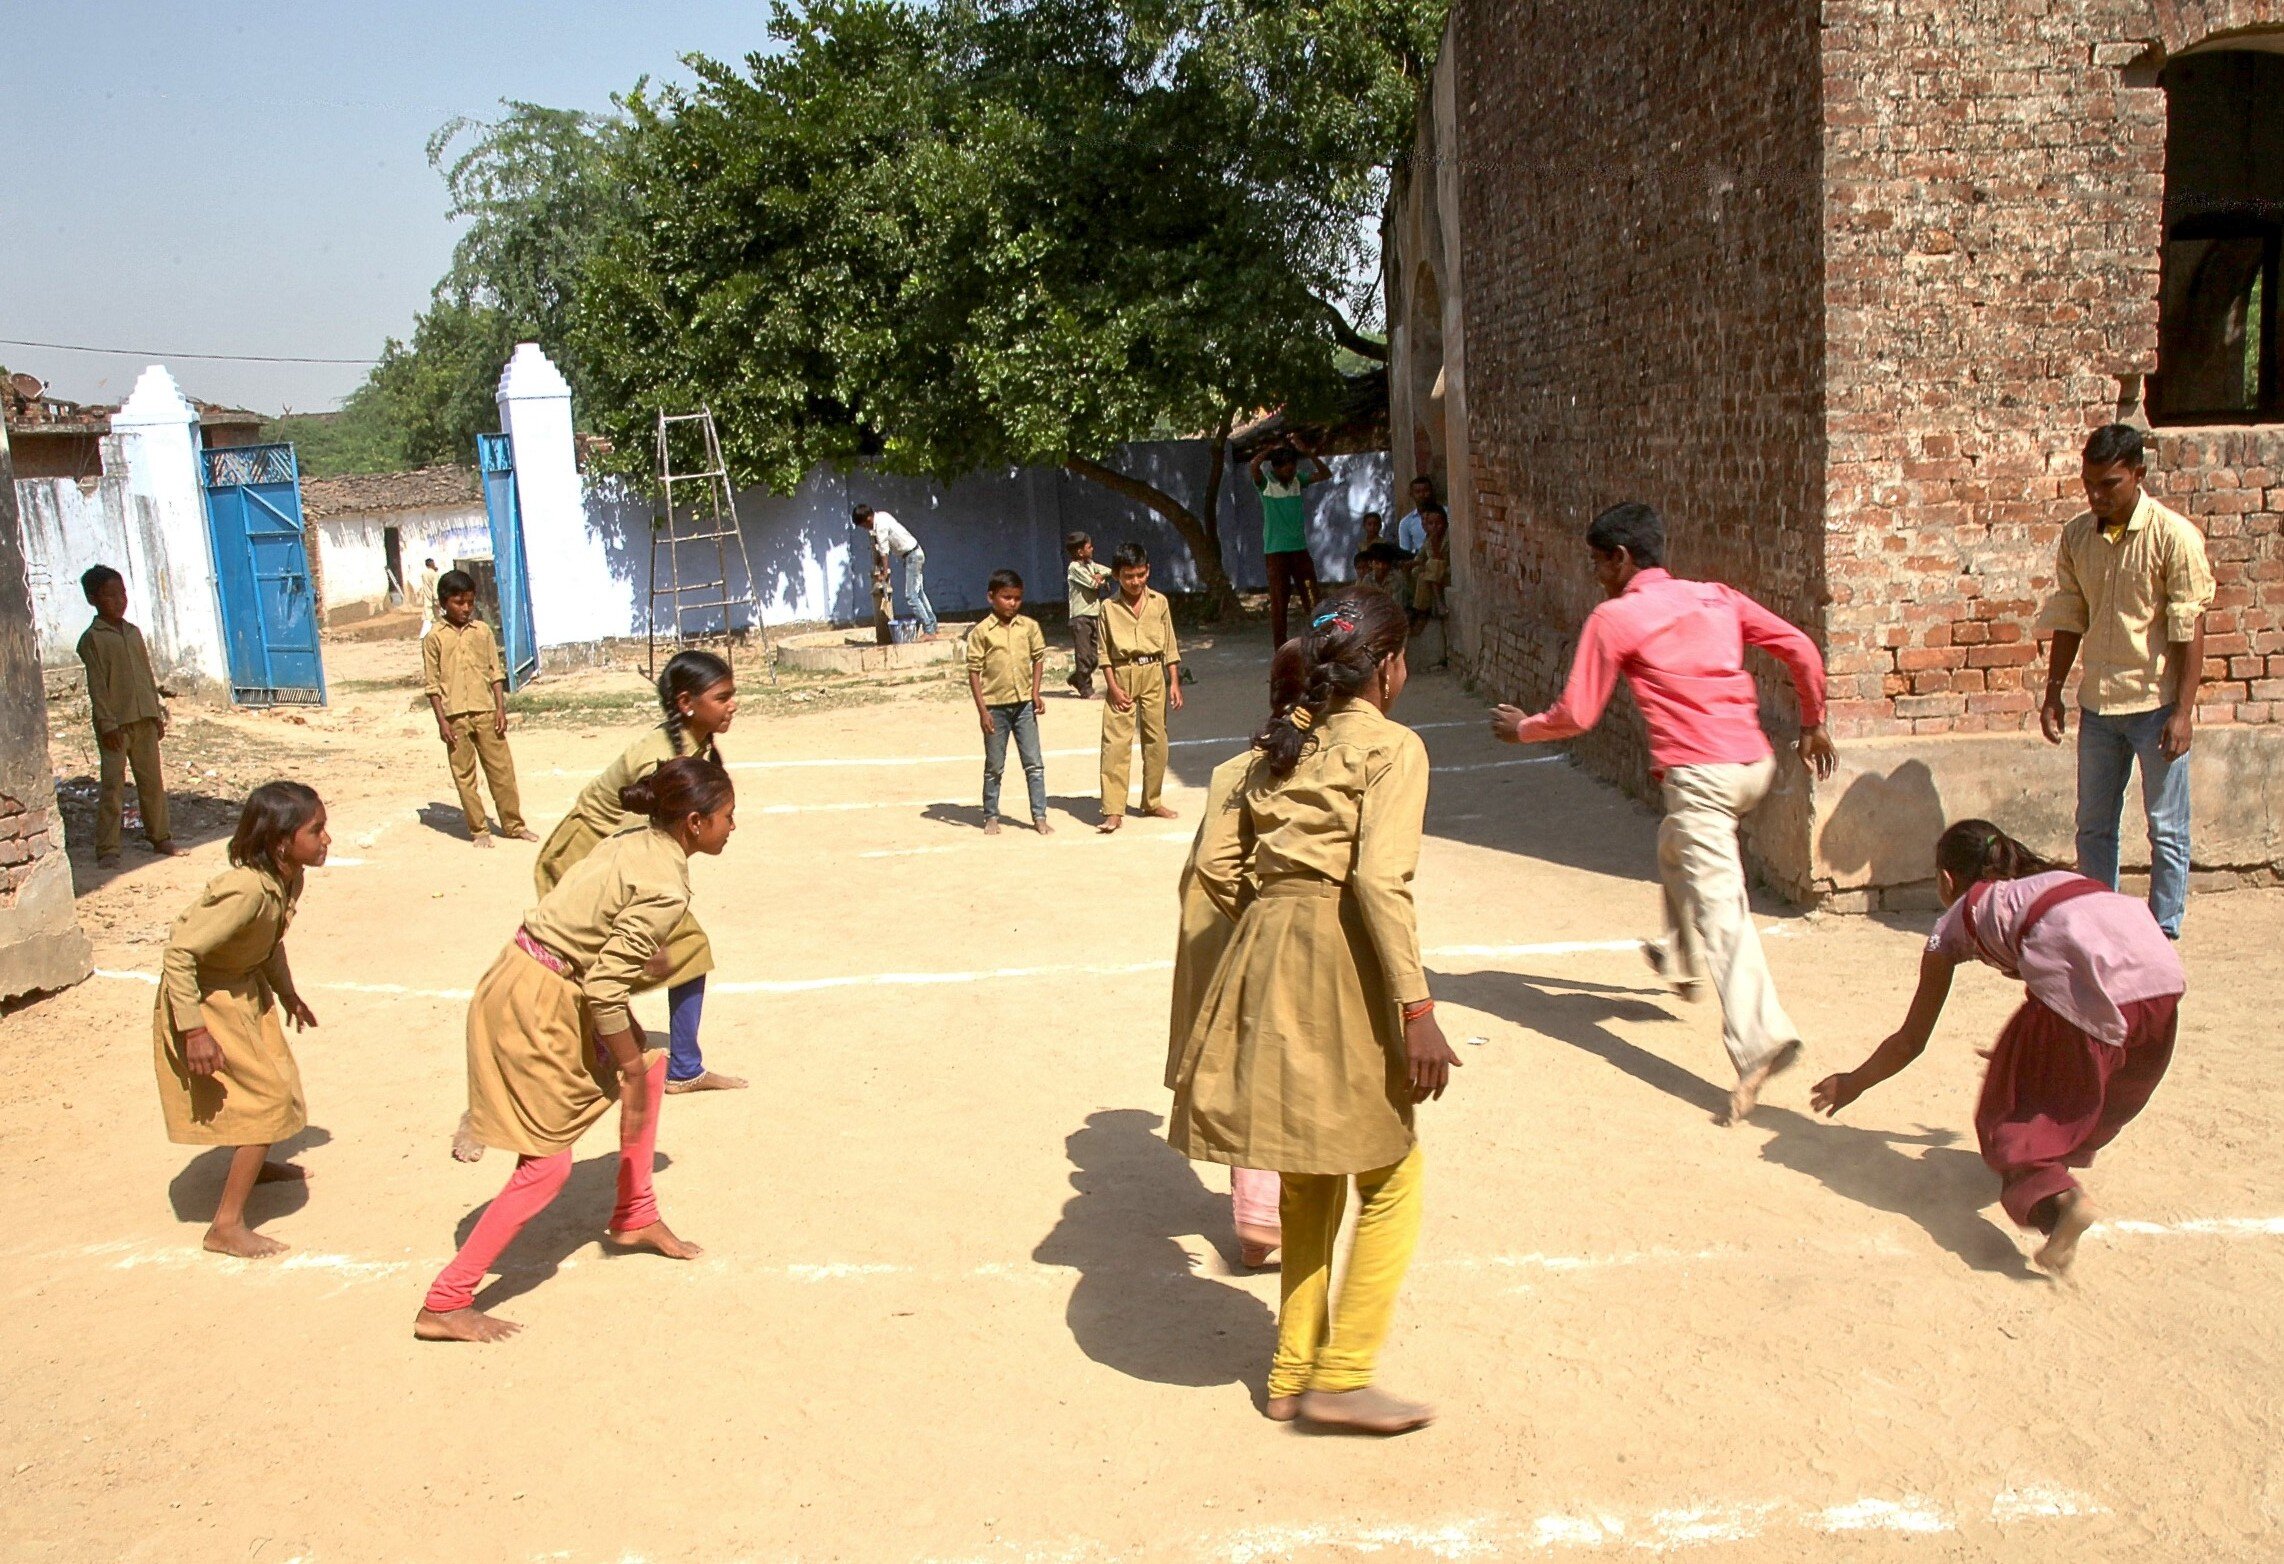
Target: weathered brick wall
column 1640, row 200
column 1993, row 211
column 29, row 832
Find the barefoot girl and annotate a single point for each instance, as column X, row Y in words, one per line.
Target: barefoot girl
column 1316, row 1036
column 226, row 1076
column 1204, row 935
column 551, row 1042
column 2086, row 1049
column 701, row 698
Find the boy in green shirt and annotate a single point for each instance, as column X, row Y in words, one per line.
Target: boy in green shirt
column 1285, row 527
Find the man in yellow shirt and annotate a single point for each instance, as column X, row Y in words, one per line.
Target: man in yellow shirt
column 1141, row 670
column 468, row 690
column 1006, row 653
column 2131, row 586
column 129, row 719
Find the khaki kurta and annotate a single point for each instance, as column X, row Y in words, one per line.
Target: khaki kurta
column 537, row 1076
column 596, row 815
column 1205, row 928
column 459, row 665
column 225, row 969
column 1296, row 1063
column 1002, row 657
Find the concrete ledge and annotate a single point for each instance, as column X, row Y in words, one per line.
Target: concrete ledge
column 855, row 651
column 41, row 945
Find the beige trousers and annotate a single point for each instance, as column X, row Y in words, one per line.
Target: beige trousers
column 473, row 740
column 1145, row 683
column 1708, row 917
column 139, row 748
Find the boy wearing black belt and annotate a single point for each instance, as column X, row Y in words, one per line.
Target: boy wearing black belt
column 1141, row 669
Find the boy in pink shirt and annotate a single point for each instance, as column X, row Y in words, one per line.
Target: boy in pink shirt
column 1681, row 645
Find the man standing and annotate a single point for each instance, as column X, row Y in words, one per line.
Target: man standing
column 1285, row 528
column 1681, row 645
column 425, row 594
column 2131, row 587
column 1411, row 527
column 889, row 538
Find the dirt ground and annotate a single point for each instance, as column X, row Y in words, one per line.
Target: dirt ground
column 960, row 1302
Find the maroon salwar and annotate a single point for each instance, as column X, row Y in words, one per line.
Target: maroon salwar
column 2055, row 1096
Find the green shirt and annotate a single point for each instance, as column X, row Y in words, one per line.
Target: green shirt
column 1284, row 517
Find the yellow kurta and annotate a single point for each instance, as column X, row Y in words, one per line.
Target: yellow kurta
column 225, row 969
column 537, row 1076
column 1205, row 927
column 596, row 815
column 1296, row 1063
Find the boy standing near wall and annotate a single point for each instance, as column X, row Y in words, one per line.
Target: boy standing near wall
column 1084, row 579
column 1006, row 656
column 1141, row 672
column 468, row 691
column 129, row 717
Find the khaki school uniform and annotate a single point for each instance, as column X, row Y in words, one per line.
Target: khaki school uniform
column 124, row 698
column 538, row 1078
column 1002, row 656
column 1139, row 646
column 225, row 969
column 460, row 665
column 596, row 815
column 1205, row 926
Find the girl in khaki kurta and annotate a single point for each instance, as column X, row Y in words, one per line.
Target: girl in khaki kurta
column 1316, row 1036
column 551, row 1042
column 226, row 1076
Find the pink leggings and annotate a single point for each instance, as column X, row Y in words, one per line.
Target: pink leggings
column 531, row 1189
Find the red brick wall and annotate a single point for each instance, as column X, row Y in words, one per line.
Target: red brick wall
column 1640, row 201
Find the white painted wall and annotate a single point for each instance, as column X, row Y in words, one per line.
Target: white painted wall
column 573, row 596
column 356, row 552
column 66, row 529
column 155, row 437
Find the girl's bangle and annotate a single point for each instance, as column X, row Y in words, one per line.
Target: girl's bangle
column 1418, row 1008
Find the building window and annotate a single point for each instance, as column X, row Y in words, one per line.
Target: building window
column 2218, row 357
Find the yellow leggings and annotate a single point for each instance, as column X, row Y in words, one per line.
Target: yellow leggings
column 1316, row 1351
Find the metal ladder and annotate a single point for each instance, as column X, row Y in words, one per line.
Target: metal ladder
column 713, row 520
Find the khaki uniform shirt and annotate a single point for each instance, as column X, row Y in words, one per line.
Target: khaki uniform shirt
column 611, row 914
column 1084, row 581
column 119, row 683
column 236, row 926
column 2129, row 599
column 461, row 665
column 1127, row 632
column 598, row 801
column 1003, row 655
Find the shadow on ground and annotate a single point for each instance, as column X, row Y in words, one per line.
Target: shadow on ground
column 1140, row 1307
column 194, row 818
column 1577, row 1013
column 195, row 1190
column 572, row 1221
column 1943, row 1189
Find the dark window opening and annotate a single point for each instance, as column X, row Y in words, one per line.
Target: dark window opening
column 2218, row 355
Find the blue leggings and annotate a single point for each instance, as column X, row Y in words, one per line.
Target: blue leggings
column 685, row 1002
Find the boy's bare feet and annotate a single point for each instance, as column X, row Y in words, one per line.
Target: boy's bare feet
column 106, row 860
column 461, row 1325
column 241, row 1241
column 1111, row 824
column 658, row 1236
column 706, row 1081
column 166, row 849
column 484, row 840
column 2073, row 1214
column 522, row 833
column 1366, row 1411
column 1747, row 1096
column 1161, row 812
column 1040, row 825
column 1690, row 990
column 465, row 1146
column 281, row 1173
column 1281, row 1409
column 991, row 826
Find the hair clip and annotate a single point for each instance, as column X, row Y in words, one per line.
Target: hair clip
column 1299, row 717
column 1335, row 618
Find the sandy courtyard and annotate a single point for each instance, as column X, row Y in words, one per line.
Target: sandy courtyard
column 960, row 1302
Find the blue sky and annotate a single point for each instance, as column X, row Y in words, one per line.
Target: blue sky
column 250, row 178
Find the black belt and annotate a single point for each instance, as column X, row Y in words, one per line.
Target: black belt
column 1138, row 657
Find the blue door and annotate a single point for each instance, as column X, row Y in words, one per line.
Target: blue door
column 519, row 644
column 261, row 569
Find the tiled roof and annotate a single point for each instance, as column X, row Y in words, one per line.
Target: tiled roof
column 364, row 494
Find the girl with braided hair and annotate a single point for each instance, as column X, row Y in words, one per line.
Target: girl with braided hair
column 1315, row 1037
column 2088, row 1046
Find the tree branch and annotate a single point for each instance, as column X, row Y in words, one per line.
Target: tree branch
column 1204, row 545
column 1350, row 338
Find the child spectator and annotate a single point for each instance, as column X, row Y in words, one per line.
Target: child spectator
column 468, row 691
column 1376, row 566
column 1006, row 655
column 129, row 717
column 1085, row 579
column 1142, row 665
column 1374, row 524
column 1431, row 575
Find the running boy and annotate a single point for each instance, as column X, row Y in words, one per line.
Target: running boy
column 2090, row 1043
column 468, row 691
column 129, row 718
column 1006, row 655
column 1085, row 579
column 1141, row 675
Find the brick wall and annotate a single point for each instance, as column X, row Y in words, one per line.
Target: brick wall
column 28, row 834
column 1640, row 200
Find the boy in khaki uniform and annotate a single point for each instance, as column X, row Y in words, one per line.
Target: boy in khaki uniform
column 129, row 719
column 1006, row 653
column 1141, row 670
column 468, row 690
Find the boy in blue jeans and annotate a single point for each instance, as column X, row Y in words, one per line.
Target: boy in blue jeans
column 1006, row 653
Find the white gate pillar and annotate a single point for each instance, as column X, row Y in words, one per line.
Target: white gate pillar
column 170, row 553
column 574, row 596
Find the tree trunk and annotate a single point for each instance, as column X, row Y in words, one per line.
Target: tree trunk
column 1204, row 542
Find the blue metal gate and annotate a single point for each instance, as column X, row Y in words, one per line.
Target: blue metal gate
column 519, row 643
column 261, row 570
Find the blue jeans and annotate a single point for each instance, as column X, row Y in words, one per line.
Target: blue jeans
column 1023, row 722
column 916, row 590
column 2108, row 748
column 685, row 1003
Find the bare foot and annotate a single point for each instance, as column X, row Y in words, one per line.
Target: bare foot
column 465, row 1146
column 484, row 841
column 166, row 849
column 241, row 1241
column 461, row 1325
column 1040, row 825
column 1161, row 812
column 706, row 1081
column 1747, row 1096
column 106, row 860
column 522, row 833
column 281, row 1173
column 991, row 826
column 1690, row 990
column 1367, row 1411
column 1282, row 1409
column 1255, row 1256
column 1111, row 824
column 2073, row 1214
column 657, row 1236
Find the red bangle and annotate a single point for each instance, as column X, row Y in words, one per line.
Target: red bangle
column 1413, row 1011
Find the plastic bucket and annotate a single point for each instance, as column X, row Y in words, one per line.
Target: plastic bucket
column 902, row 632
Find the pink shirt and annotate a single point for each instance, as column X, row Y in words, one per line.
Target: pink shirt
column 2086, row 958
column 1681, row 644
